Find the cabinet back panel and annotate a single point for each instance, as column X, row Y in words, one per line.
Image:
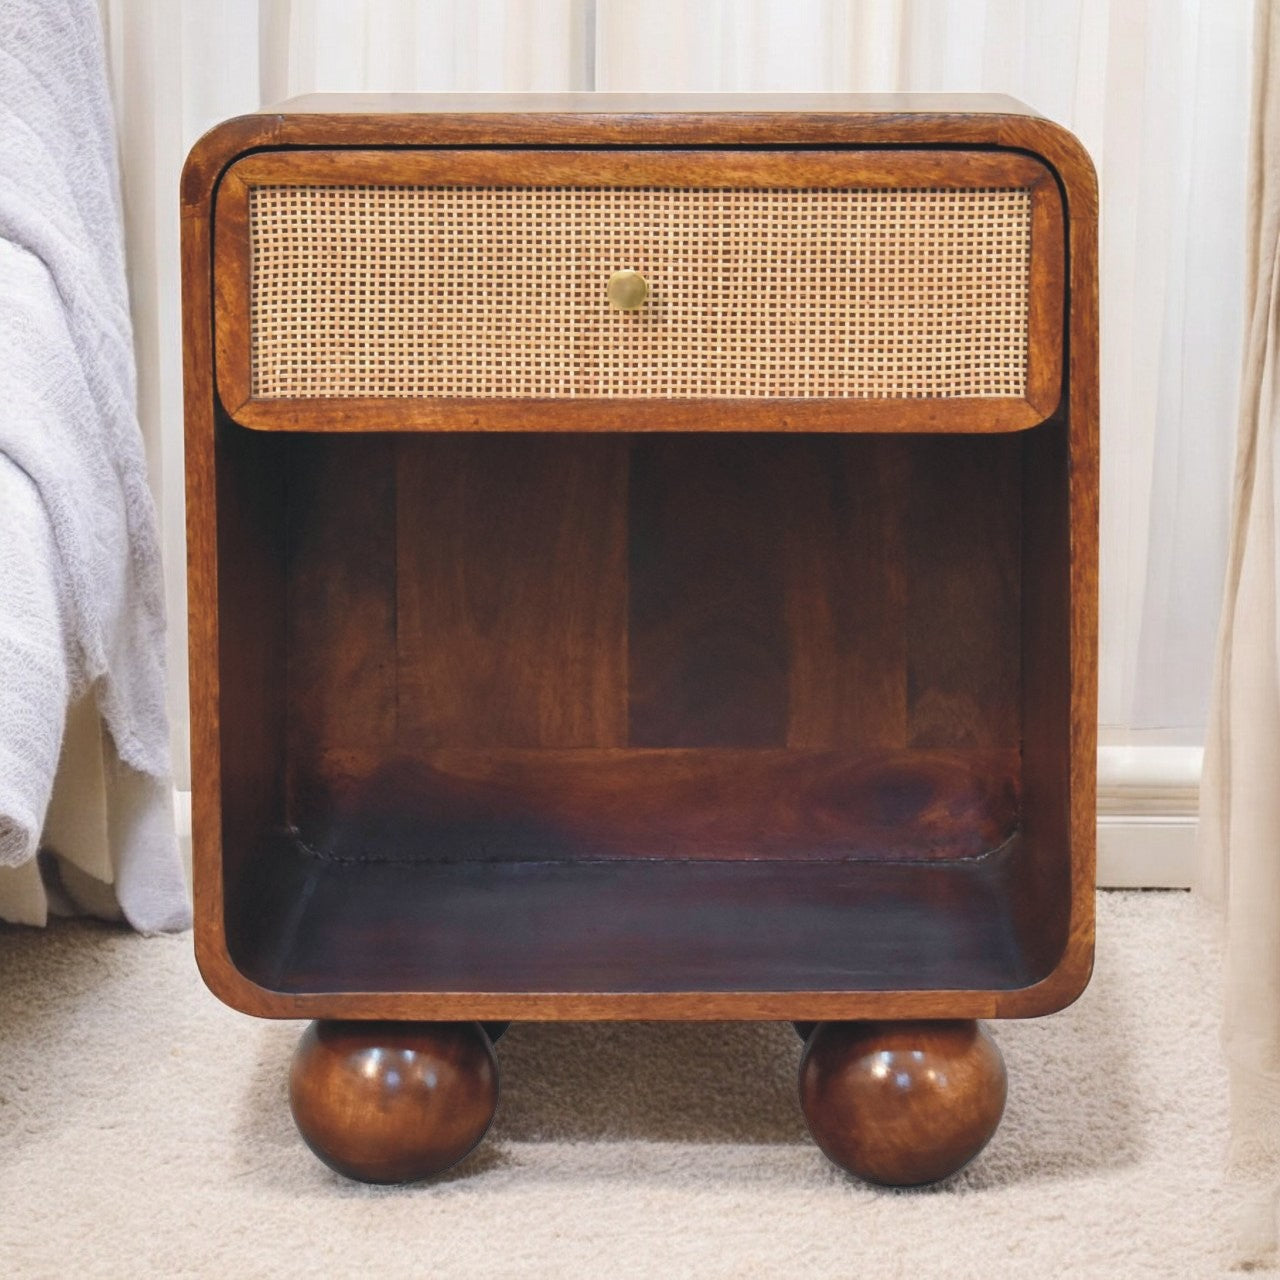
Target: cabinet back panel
column 511, row 592
column 548, row 600
column 707, row 561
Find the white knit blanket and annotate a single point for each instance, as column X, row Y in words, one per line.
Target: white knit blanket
column 81, row 603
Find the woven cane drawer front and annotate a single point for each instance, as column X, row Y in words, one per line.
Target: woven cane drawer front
column 486, row 291
column 468, row 290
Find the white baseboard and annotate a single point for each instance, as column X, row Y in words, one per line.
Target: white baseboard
column 1148, row 808
column 1146, row 853
column 182, row 813
column 1148, row 799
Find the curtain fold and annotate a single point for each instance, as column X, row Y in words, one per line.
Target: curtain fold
column 1240, row 795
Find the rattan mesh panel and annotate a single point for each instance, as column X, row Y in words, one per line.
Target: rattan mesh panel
column 501, row 291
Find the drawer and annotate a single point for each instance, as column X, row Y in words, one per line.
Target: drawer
column 422, row 289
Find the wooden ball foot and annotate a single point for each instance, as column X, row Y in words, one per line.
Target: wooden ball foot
column 393, row 1101
column 902, row 1103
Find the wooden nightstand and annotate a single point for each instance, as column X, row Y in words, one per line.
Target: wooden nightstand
column 643, row 565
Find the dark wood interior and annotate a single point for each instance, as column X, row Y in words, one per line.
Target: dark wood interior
column 644, row 712
column 635, row 925
column 633, row 727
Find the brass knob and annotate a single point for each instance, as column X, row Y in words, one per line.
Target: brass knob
column 628, row 290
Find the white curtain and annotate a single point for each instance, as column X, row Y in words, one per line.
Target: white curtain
column 1240, row 817
column 1156, row 90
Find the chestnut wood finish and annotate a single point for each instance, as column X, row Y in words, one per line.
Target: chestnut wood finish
column 512, row 710
column 511, row 607
column 880, row 168
column 905, row 1103
column 393, row 1101
column 505, row 805
column 507, row 939
column 685, row 591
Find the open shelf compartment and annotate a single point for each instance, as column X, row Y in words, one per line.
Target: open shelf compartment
column 613, row 714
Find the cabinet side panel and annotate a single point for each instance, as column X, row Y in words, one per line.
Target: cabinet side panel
column 251, row 664
column 341, row 685
column 1042, row 876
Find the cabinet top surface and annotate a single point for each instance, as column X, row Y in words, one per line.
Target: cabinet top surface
column 649, row 104
column 641, row 120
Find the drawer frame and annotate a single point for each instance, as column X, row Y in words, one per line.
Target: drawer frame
column 855, row 168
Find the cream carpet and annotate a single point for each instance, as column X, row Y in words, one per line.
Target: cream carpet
column 144, row 1131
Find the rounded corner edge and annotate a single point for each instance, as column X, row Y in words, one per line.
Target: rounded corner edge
column 1058, row 990
column 228, row 982
column 217, row 149
column 1067, row 156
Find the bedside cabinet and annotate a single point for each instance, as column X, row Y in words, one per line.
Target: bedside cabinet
column 643, row 566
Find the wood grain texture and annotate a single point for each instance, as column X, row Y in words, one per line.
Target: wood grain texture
column 232, row 275
column 844, row 506
column 1071, row 752
column 202, row 590
column 390, row 1102
column 237, row 867
column 251, row 654
column 540, row 805
column 963, row 568
column 341, row 680
column 646, row 120
column 761, row 597
column 1046, row 705
column 902, row 1104
column 878, row 168
column 883, row 167
column 1047, row 301
column 707, row 634
column 511, row 592
column 358, row 414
